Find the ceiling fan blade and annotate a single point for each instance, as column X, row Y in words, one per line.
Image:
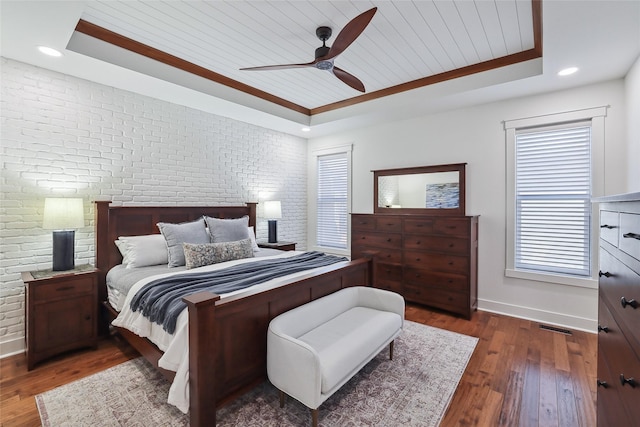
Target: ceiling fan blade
column 349, row 79
column 350, row 32
column 278, row 67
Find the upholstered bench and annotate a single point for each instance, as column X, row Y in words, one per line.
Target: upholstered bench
column 316, row 348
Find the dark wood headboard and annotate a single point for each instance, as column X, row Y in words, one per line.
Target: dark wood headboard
column 114, row 221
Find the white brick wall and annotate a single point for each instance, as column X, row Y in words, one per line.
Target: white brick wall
column 64, row 136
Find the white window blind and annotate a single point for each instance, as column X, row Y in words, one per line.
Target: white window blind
column 553, row 193
column 332, row 215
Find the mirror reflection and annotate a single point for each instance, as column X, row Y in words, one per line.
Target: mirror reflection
column 436, row 190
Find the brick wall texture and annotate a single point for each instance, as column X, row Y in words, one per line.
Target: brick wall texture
column 64, row 136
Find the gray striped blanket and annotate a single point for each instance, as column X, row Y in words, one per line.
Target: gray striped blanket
column 161, row 300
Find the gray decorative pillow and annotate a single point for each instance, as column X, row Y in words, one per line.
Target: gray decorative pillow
column 227, row 230
column 197, row 255
column 177, row 234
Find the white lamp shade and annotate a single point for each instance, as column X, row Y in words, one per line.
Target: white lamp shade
column 63, row 214
column 272, row 209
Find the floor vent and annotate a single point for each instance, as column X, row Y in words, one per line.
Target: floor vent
column 554, row 329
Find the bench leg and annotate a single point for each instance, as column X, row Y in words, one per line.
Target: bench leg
column 314, row 417
column 391, row 350
column 282, row 397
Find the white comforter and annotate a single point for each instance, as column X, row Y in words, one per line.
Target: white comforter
column 176, row 346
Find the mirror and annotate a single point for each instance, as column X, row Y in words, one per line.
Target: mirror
column 437, row 190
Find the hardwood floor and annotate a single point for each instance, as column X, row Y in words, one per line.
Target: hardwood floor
column 519, row 375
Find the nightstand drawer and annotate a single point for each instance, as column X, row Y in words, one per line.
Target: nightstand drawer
column 70, row 286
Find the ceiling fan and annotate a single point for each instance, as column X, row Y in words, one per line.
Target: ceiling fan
column 325, row 55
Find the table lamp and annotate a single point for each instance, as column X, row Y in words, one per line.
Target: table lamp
column 63, row 216
column 272, row 211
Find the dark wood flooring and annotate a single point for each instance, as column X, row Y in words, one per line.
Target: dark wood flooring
column 519, row 375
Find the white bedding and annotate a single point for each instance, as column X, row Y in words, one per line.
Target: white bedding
column 175, row 346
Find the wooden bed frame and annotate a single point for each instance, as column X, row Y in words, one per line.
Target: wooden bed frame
column 227, row 338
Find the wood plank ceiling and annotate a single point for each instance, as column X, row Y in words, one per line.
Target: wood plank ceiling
column 408, row 44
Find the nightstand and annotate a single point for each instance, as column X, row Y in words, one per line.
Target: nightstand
column 283, row 246
column 62, row 311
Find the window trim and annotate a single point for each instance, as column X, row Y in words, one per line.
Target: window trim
column 313, row 191
column 597, row 117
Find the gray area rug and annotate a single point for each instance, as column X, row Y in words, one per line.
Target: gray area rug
column 414, row 389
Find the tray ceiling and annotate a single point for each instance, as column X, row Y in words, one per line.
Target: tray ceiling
column 408, row 44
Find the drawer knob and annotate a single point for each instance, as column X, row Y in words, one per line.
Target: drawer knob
column 631, row 236
column 605, row 274
column 625, row 302
column 604, row 329
column 602, row 384
column 389, row 239
column 87, row 317
column 609, row 227
column 631, row 381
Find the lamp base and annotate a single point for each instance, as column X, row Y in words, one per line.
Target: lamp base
column 273, row 231
column 63, row 250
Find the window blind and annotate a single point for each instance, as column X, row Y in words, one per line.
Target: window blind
column 332, row 201
column 553, row 193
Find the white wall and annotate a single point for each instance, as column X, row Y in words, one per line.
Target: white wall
column 476, row 136
column 632, row 89
column 61, row 135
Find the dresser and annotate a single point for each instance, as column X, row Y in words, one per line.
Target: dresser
column 619, row 311
column 428, row 259
column 62, row 311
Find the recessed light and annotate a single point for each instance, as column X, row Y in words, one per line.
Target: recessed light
column 49, row 51
column 306, row 129
column 567, row 71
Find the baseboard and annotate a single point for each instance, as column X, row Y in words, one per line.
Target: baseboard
column 12, row 347
column 542, row 316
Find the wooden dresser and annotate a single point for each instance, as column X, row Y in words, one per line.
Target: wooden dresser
column 619, row 311
column 428, row 259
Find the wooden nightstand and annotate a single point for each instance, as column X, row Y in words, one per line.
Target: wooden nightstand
column 283, row 246
column 62, row 311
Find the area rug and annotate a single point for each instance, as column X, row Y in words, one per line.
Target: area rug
column 413, row 389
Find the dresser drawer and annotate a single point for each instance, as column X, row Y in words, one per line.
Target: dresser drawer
column 629, row 238
column 388, row 276
column 363, row 222
column 437, row 262
column 622, row 283
column 418, row 226
column 448, row 300
column 450, row 245
column 389, row 224
column 622, row 363
column 611, row 410
column 609, row 226
column 69, row 287
column 382, row 255
column 422, row 277
column 451, row 226
column 379, row 240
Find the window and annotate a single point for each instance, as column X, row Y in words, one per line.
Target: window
column 554, row 168
column 553, row 199
column 332, row 201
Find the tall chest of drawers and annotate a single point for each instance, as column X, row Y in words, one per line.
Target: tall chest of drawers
column 431, row 260
column 619, row 311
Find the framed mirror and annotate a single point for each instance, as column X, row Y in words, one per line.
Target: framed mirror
column 434, row 190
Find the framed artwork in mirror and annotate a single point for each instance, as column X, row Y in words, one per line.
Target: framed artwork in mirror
column 434, row 190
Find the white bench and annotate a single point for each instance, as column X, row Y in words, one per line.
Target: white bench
column 314, row 349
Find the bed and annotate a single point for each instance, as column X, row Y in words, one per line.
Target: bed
column 226, row 337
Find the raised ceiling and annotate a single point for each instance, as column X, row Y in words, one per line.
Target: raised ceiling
column 407, row 44
column 601, row 37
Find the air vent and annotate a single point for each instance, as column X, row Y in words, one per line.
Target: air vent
column 554, row 329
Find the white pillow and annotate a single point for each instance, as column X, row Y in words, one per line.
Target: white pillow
column 252, row 236
column 141, row 251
